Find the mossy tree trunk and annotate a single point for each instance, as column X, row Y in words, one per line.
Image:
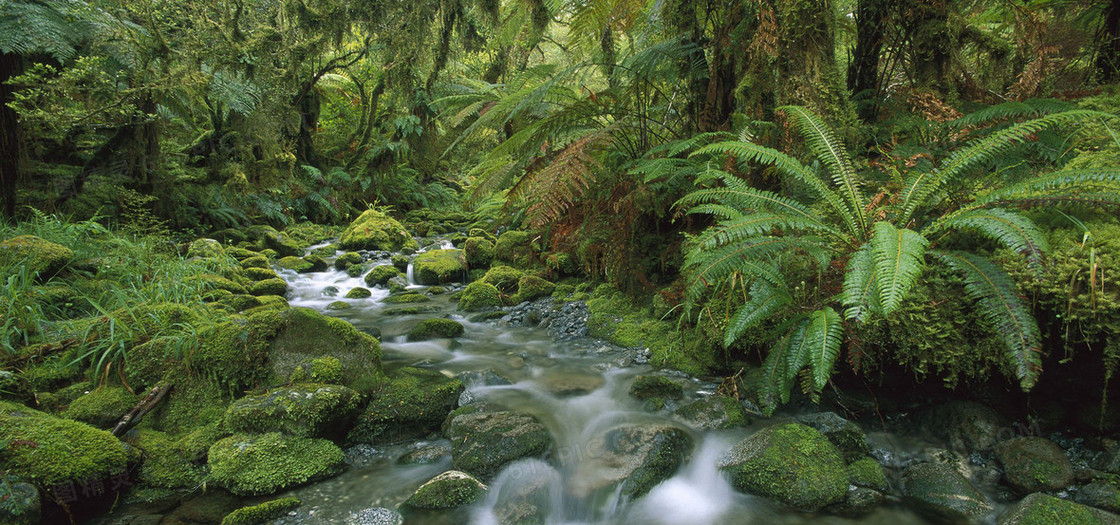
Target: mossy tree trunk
column 931, row 39
column 808, row 74
column 863, row 71
column 11, row 152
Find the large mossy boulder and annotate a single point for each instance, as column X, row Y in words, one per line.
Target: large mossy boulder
column 303, row 334
column 410, row 404
column 306, row 410
column 373, row 230
column 310, row 263
column 447, row 491
column 479, row 295
column 439, row 267
column 381, row 274
column 479, row 252
column 791, row 463
column 483, row 441
column 267, row 238
column 102, row 407
column 262, row 464
column 531, row 288
column 47, row 451
column 943, row 494
column 435, row 328
column 714, row 413
column 205, row 248
column 515, row 248
column 1043, row 509
column 637, row 457
column 504, row 278
column 36, row 254
column 1034, row 464
column 847, row 436
column 275, row 286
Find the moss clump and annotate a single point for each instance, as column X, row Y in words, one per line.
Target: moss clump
column 262, row 464
column 347, row 260
column 47, row 450
column 102, row 407
column 263, row 513
column 296, row 264
column 790, row 463
column 646, row 387
column 302, row 334
column 358, row 293
column 269, row 287
column 327, row 369
column 413, row 310
column 240, row 302
column 514, row 247
column 479, row 295
column 412, row 403
column 504, row 278
column 868, row 473
column 216, row 282
column 560, row 264
column 406, row 298
column 339, row 305
column 373, row 230
column 440, row 266
column 167, row 462
column 308, row 233
column 381, row 274
column 447, row 491
column 713, row 413
column 205, row 248
column 531, row 288
column 478, row 251
column 435, row 328
column 436, row 290
column 36, row 254
column 614, row 317
column 306, row 410
column 256, row 261
column 483, row 442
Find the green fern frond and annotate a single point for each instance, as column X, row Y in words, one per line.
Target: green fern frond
column 861, row 292
column 1089, row 200
column 921, row 187
column 899, row 256
column 719, row 211
column 710, row 268
column 765, row 301
column 828, row 148
column 1003, row 310
column 776, row 381
column 822, row 339
column 1030, row 108
column 744, row 227
column 1005, row 227
column 1058, row 181
column 741, row 196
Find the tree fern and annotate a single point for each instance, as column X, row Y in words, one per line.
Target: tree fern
column 1003, row 310
column 898, row 255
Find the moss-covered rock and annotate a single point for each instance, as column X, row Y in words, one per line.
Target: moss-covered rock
column 479, row 295
column 413, row 310
column 302, row 335
column 307, row 410
column 847, row 436
column 381, row 274
column 868, row 473
column 531, row 288
column 373, row 230
column 514, row 247
column 965, row 426
column 1034, row 464
column 346, row 260
column 15, row 387
column 1043, row 509
column 168, row 463
column 1100, row 495
column 21, row 504
column 262, row 464
column 790, row 463
column 942, row 493
column 205, row 248
column 216, row 282
column 504, row 278
column 479, row 252
column 46, row 450
column 440, row 267
column 296, row 264
column 637, row 457
column 339, row 305
column 435, row 328
column 102, row 407
column 267, row 238
column 483, row 442
column 714, row 413
column 262, row 513
column 406, row 298
column 240, row 302
column 561, row 264
column 645, row 387
column 358, row 293
column 399, row 261
column 269, row 287
column 256, row 261
column 36, row 254
column 412, row 403
column 447, row 491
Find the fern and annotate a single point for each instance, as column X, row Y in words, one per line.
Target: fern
column 1030, row 108
column 822, row 339
column 1007, row 228
column 826, row 146
column 1004, row 312
column 861, row 292
column 766, row 300
column 898, row 257
column 776, row 377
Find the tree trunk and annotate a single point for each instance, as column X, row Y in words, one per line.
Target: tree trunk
column 1108, row 52
column 926, row 23
column 308, row 121
column 11, row 154
column 681, row 16
column 863, row 72
column 808, row 74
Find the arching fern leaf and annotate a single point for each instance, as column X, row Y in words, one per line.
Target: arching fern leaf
column 899, row 258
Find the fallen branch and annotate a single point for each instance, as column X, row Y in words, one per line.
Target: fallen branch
column 133, row 417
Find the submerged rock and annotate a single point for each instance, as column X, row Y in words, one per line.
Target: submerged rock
column 965, row 426
column 940, row 492
column 790, row 463
column 645, row 387
column 1034, row 464
column 447, row 491
column 483, row 442
column 525, row 494
column 435, row 328
column 262, row 464
column 637, row 457
column 426, row 454
column 1100, row 495
column 1042, row 509
column 307, row 410
column 375, row 516
column 714, row 413
column 411, row 404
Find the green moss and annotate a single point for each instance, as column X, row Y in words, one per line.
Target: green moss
column 270, row 253
column 440, row 266
column 326, row 369
column 296, row 264
column 102, row 407
column 561, row 264
column 347, row 260
column 412, row 310
column 791, row 463
column 435, row 328
column 1043, row 509
column 256, row 261
column 255, row 465
column 339, row 305
column 36, row 254
column 531, row 288
column 216, row 282
column 645, row 387
column 166, row 464
column 614, row 317
column 263, row 513
column 482, row 234
column 205, row 248
column 412, row 403
column 381, row 274
column 446, row 491
column 479, row 295
column 306, row 410
column 373, row 230
column 358, row 293
column 240, row 302
column 47, row 450
column 868, row 473
column 436, row 290
column 308, row 233
column 514, row 247
column 303, row 334
column 504, row 278
column 406, row 298
column 478, row 251
column 269, row 287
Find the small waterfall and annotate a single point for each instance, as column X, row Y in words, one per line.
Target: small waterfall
column 410, row 275
column 698, row 495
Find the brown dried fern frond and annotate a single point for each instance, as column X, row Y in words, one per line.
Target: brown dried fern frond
column 553, row 189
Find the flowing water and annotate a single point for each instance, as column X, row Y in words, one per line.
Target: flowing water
column 577, row 388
